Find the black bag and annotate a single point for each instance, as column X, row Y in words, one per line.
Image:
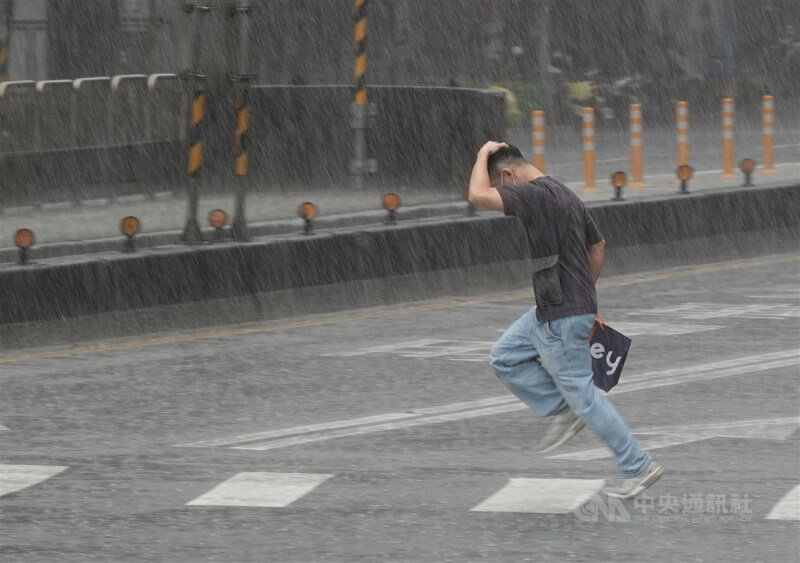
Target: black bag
column 608, row 348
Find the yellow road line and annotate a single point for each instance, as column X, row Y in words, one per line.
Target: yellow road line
column 450, row 304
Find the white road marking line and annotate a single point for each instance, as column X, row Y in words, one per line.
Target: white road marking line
column 660, row 329
column 493, row 405
column 647, row 445
column 3, row 428
column 298, row 430
column 772, row 429
column 788, row 508
column 675, row 379
column 465, row 347
column 385, row 348
column 325, row 426
column 260, row 488
column 706, row 311
column 466, row 405
column 294, row 441
column 778, row 428
column 17, row 477
column 541, row 496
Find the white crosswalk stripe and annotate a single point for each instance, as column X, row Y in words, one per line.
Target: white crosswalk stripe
column 14, row 478
column 261, row 489
column 788, row 508
column 542, row 496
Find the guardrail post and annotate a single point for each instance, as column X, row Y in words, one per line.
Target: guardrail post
column 129, row 108
column 96, row 130
column 49, row 90
column 167, row 115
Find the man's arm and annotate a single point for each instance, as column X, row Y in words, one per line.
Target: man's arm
column 596, row 254
column 481, row 192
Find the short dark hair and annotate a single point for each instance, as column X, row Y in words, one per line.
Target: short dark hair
column 507, row 156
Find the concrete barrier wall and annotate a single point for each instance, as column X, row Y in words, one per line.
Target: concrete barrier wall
column 638, row 234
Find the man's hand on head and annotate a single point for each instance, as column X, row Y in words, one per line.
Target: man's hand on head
column 491, row 147
column 481, row 192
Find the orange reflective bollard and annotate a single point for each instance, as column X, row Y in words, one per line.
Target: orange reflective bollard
column 588, row 151
column 637, row 161
column 768, row 110
column 537, row 139
column 682, row 115
column 727, row 139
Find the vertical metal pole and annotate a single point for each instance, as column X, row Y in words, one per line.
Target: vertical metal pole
column 5, row 25
column 240, row 155
column 73, row 145
column 191, row 232
column 111, row 138
column 359, row 105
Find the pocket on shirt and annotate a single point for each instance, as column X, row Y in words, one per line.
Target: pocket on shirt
column 547, row 281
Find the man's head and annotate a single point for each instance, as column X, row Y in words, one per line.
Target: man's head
column 507, row 166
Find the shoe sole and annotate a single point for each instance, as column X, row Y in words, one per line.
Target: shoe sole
column 574, row 429
column 646, row 483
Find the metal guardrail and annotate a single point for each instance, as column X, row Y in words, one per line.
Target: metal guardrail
column 92, row 137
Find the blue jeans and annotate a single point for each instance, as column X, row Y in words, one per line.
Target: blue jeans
column 548, row 366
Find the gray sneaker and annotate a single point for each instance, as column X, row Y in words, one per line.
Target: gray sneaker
column 563, row 426
column 629, row 488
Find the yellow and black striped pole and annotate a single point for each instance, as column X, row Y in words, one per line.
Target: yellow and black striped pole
column 242, row 125
column 191, row 232
column 241, row 14
column 360, row 44
column 195, row 132
column 359, row 109
column 241, row 162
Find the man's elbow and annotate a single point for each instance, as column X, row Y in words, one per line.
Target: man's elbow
column 597, row 248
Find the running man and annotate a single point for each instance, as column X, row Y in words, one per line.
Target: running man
column 543, row 358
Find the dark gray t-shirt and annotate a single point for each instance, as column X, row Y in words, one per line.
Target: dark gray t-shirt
column 559, row 229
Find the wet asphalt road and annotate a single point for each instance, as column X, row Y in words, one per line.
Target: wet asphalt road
column 250, row 442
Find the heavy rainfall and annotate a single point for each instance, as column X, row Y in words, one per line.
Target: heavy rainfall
column 258, row 294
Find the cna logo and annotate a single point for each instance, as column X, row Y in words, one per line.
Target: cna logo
column 599, row 508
